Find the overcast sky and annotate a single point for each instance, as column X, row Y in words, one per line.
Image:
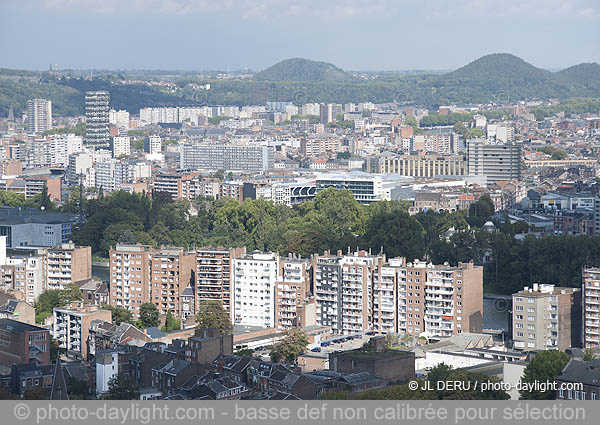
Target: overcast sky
column 353, row 34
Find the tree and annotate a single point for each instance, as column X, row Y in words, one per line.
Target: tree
column 545, row 366
column 474, row 133
column 171, row 323
column 148, row 316
column 78, row 389
column 122, row 388
column 290, row 347
column 211, row 314
column 118, row 314
column 34, row 393
column 588, row 355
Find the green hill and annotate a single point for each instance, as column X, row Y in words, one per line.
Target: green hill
column 585, row 74
column 298, row 69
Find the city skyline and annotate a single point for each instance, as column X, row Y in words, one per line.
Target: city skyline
column 200, row 35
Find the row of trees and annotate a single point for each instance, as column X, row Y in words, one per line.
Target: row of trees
column 335, row 220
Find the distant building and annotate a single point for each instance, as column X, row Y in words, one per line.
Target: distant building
column 230, row 157
column 495, row 161
column 97, row 118
column 121, row 146
column 153, row 144
column 39, row 115
column 68, row 264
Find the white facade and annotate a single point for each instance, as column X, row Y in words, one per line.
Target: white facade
column 39, row 115
column 107, row 367
column 154, row 144
column 119, row 118
column 121, row 146
column 254, row 284
column 64, row 145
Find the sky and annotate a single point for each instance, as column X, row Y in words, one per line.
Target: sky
column 352, row 34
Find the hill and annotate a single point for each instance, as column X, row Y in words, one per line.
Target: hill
column 585, row 74
column 298, row 69
column 503, row 78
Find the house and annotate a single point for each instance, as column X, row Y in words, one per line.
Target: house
column 233, row 366
column 142, row 363
column 171, row 375
column 580, row 372
column 18, row 310
column 104, row 335
column 214, row 386
column 208, row 344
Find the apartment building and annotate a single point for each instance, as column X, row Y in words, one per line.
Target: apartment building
column 294, row 305
column 25, row 276
column 171, row 271
column 358, row 291
column 453, row 300
column 214, row 275
column 546, row 317
column 153, row 144
column 591, row 307
column 129, row 276
column 121, row 145
column 68, row 264
column 254, row 285
column 342, row 288
column 97, row 118
column 317, row 147
column 39, row 115
column 251, row 158
column 71, row 327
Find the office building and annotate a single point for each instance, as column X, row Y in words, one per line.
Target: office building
column 498, row 162
column 254, row 283
column 422, row 165
column 194, row 156
column 591, row 307
column 97, row 119
column 39, row 115
column 546, row 317
column 32, row 227
column 365, row 189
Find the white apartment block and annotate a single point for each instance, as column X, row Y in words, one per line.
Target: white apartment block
column 154, row 144
column 591, row 307
column 39, row 115
column 119, row 118
column 121, row 145
column 64, row 145
column 254, row 284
